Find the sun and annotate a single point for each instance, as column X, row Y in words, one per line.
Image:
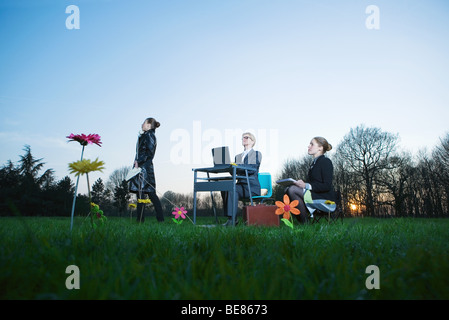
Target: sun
column 353, row 207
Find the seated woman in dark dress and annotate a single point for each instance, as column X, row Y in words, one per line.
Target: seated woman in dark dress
column 317, row 192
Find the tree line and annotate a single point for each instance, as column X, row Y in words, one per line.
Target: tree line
column 27, row 190
column 371, row 174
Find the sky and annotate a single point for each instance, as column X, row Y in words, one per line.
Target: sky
column 209, row 70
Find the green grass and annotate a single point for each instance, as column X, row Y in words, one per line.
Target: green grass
column 123, row 260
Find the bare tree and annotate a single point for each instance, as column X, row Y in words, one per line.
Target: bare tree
column 394, row 182
column 296, row 168
column 292, row 168
column 366, row 152
column 441, row 156
column 429, row 187
column 346, row 183
column 441, row 152
column 116, row 178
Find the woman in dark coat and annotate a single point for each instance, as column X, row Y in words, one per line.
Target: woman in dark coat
column 145, row 182
column 318, row 192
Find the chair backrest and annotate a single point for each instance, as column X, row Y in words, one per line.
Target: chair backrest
column 265, row 183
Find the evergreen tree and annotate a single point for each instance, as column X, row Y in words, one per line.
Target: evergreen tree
column 121, row 197
column 32, row 183
column 98, row 192
column 9, row 188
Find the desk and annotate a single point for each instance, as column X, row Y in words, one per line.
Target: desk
column 221, row 183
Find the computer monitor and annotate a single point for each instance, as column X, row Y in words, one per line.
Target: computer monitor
column 221, row 156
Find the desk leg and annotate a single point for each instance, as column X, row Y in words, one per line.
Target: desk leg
column 249, row 188
column 213, row 206
column 194, row 197
column 213, row 202
column 234, row 209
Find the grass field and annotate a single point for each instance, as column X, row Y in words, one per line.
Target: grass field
column 124, row 260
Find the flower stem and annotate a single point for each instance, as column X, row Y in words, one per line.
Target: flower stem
column 90, row 201
column 74, row 196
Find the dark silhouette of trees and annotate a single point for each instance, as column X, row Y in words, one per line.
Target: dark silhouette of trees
column 121, row 197
column 394, row 183
column 58, row 197
column 369, row 171
column 9, row 188
column 23, row 186
column 366, row 153
column 292, row 168
column 441, row 156
column 99, row 193
column 25, row 191
column 116, row 178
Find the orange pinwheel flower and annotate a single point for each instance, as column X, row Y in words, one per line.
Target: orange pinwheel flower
column 286, row 207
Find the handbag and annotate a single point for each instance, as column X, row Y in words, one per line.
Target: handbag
column 137, row 182
column 132, row 173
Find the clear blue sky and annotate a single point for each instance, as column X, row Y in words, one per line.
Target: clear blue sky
column 287, row 70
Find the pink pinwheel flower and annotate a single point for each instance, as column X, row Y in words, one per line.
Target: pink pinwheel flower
column 85, row 140
column 179, row 212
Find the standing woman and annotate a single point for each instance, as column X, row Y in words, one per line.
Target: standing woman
column 145, row 182
column 318, row 191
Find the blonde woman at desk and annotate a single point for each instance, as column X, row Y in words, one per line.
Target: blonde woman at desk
column 249, row 158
